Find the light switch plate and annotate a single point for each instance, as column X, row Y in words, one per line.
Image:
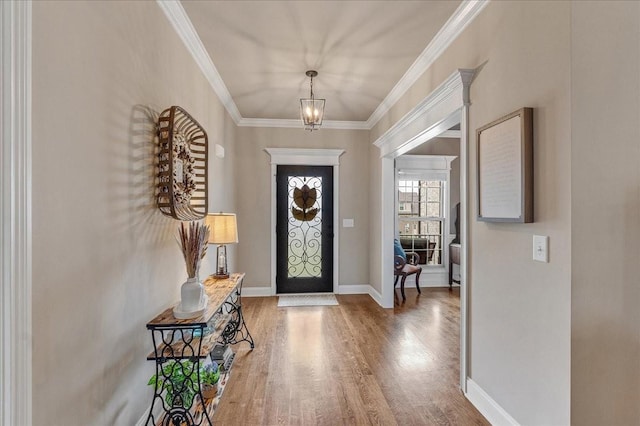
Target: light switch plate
column 541, row 248
column 347, row 223
column 219, row 151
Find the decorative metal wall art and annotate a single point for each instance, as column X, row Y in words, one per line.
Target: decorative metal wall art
column 182, row 165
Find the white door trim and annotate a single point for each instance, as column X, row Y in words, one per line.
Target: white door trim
column 15, row 198
column 446, row 106
column 306, row 157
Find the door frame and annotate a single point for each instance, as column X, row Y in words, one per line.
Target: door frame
column 16, row 208
column 305, row 157
column 444, row 107
column 320, row 177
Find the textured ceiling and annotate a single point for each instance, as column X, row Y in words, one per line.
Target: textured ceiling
column 360, row 49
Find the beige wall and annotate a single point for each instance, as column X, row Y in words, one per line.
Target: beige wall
column 253, row 194
column 605, row 220
column 105, row 261
column 520, row 309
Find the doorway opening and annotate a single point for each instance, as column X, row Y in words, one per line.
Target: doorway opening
column 306, row 157
column 427, row 185
column 304, row 228
column 443, row 108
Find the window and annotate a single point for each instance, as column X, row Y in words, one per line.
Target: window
column 421, row 218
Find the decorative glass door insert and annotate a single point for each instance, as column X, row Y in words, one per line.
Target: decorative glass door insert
column 304, row 223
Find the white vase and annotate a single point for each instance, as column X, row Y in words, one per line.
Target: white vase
column 191, row 295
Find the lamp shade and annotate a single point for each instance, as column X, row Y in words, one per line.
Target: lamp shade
column 223, row 228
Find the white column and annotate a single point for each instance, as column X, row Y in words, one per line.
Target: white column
column 15, row 197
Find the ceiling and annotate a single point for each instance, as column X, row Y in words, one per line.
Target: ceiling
column 361, row 49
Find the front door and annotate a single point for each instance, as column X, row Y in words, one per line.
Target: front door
column 304, row 228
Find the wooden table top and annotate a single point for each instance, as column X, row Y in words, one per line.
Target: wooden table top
column 217, row 290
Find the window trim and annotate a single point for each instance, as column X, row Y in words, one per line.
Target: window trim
column 443, row 187
column 427, row 167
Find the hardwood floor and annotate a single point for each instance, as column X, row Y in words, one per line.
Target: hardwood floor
column 352, row 364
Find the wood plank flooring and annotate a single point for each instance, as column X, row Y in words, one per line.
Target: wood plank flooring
column 352, row 364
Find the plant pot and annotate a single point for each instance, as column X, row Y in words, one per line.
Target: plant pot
column 209, row 391
column 191, row 295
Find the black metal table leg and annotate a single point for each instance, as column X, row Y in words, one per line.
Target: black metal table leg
column 236, row 330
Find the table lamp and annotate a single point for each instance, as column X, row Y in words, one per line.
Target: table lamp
column 223, row 229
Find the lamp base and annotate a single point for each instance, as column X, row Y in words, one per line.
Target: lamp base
column 221, row 264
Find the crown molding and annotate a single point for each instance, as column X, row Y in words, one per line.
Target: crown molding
column 346, row 125
column 429, row 118
column 464, row 14
column 453, row 134
column 178, row 18
column 270, row 122
column 297, row 124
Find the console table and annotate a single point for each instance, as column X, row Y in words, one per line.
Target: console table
column 185, row 343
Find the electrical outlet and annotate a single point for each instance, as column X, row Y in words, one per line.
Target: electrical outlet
column 347, row 223
column 541, row 248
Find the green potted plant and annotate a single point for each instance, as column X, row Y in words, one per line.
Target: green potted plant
column 209, row 377
column 179, row 382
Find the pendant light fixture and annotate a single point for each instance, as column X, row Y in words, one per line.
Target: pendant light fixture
column 312, row 109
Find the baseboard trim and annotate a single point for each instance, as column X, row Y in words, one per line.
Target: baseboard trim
column 428, row 279
column 343, row 289
column 156, row 414
column 375, row 295
column 354, row 289
column 143, row 419
column 256, row 291
column 489, row 408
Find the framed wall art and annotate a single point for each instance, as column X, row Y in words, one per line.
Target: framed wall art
column 505, row 168
column 182, row 165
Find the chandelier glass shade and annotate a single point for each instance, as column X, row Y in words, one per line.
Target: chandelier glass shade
column 312, row 109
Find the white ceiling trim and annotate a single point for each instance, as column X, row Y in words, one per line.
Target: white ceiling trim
column 305, row 156
column 464, row 14
column 429, row 118
column 454, row 134
column 177, row 16
column 297, row 124
column 415, row 164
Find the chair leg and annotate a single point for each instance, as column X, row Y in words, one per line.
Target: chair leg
column 395, row 283
column 418, row 281
column 404, row 277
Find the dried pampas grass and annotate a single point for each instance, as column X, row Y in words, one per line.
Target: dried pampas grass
column 193, row 240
